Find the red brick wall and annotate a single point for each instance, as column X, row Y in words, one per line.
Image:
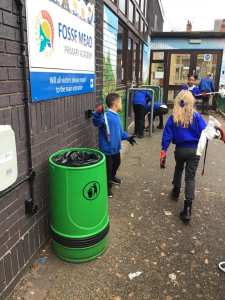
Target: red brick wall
column 54, row 125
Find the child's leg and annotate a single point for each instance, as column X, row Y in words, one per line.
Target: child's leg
column 140, row 113
column 160, row 121
column 142, row 120
column 190, row 172
column 135, row 120
column 116, row 164
column 177, row 179
column 203, row 105
column 109, row 167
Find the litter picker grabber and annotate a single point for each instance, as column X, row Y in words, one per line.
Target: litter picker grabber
column 100, row 108
column 107, row 127
column 205, row 156
column 212, row 93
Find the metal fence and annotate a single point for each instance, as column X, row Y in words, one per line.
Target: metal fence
column 221, row 103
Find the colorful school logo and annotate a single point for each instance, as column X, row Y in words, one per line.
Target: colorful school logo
column 45, row 33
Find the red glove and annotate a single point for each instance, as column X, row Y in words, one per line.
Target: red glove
column 163, row 159
column 100, row 108
column 222, row 133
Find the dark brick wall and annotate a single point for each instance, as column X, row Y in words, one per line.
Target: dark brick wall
column 99, row 47
column 54, row 124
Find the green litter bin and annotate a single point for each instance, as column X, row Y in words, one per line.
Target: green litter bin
column 79, row 219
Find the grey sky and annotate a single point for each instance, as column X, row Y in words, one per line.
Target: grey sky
column 201, row 13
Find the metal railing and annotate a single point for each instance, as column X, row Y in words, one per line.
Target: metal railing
column 221, row 103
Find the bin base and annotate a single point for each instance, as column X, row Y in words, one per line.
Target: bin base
column 80, row 255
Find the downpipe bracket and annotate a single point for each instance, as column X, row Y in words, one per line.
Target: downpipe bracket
column 30, row 208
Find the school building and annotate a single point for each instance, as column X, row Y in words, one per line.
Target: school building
column 174, row 55
column 57, row 60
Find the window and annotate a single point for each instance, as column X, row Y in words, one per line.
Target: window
column 139, row 71
column 142, row 26
column 134, row 63
column 142, row 5
column 135, row 58
column 179, row 68
column 131, row 11
column 155, row 23
column 157, row 74
column 137, row 20
column 122, row 6
column 120, row 48
column 145, row 28
column 130, row 59
column 158, row 55
column 146, row 9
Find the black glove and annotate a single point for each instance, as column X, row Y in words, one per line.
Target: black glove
column 131, row 140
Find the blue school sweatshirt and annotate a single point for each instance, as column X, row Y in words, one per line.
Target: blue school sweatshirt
column 141, row 98
column 207, row 84
column 183, row 137
column 112, row 145
column 194, row 90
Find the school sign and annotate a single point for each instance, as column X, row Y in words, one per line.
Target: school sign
column 61, row 41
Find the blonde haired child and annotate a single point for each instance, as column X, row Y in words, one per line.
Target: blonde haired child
column 183, row 129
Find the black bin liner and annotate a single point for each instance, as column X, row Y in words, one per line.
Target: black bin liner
column 78, row 158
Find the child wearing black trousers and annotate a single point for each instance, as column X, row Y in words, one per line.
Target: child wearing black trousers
column 110, row 136
column 183, row 128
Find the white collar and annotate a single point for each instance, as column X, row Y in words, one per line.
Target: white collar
column 112, row 111
column 190, row 88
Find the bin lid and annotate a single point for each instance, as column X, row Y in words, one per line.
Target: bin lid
column 78, row 158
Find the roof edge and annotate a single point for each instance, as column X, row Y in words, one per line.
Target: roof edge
column 191, row 35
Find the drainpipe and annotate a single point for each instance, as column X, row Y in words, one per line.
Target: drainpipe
column 30, row 207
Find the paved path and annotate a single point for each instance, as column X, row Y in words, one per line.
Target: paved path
column 177, row 261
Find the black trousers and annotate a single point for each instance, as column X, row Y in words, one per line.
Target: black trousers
column 186, row 157
column 139, row 119
column 158, row 113
column 205, row 103
column 112, row 164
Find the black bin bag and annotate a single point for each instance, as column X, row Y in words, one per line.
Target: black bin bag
column 78, row 158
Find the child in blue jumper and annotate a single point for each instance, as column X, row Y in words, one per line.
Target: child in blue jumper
column 191, row 87
column 183, row 128
column 140, row 106
column 110, row 136
column 206, row 86
column 159, row 110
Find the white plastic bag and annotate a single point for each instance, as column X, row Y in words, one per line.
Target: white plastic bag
column 209, row 133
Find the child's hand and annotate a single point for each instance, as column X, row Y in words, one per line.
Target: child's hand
column 131, row 140
column 163, row 159
column 100, row 108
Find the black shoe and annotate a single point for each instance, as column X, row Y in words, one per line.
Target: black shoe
column 175, row 194
column 110, row 194
column 140, row 136
column 160, row 127
column 116, row 181
column 185, row 214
